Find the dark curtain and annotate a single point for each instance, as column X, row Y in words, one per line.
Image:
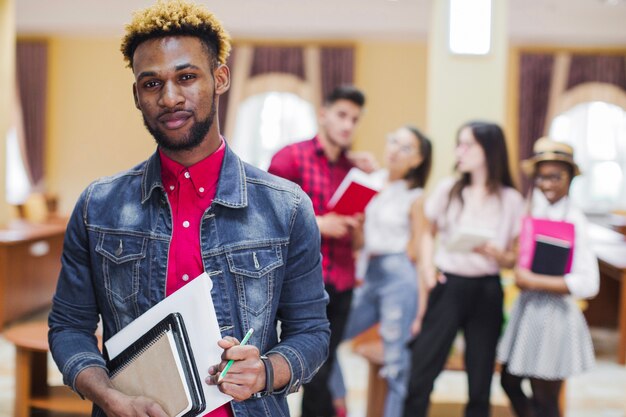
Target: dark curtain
column 337, row 67
column 287, row 60
column 609, row 69
column 32, row 70
column 535, row 80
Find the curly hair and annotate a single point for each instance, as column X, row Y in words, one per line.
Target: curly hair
column 176, row 18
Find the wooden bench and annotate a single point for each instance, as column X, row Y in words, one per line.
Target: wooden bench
column 31, row 374
column 371, row 349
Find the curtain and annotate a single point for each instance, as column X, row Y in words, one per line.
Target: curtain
column 337, row 67
column 609, row 69
column 32, row 70
column 286, row 60
column 535, row 79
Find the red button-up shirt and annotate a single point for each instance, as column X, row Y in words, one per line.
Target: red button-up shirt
column 190, row 191
column 306, row 164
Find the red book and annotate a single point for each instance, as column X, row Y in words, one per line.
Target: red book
column 546, row 246
column 354, row 192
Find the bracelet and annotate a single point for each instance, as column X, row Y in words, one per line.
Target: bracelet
column 269, row 378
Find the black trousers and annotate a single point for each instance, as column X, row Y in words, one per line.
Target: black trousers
column 316, row 398
column 543, row 403
column 473, row 305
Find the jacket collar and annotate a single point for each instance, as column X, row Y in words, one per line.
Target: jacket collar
column 231, row 188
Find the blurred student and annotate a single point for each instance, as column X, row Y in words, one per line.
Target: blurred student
column 547, row 339
column 465, row 291
column 318, row 166
column 393, row 222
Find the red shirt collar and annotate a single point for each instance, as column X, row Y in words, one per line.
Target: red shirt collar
column 319, row 149
column 204, row 173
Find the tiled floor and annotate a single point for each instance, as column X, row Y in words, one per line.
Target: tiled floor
column 598, row 393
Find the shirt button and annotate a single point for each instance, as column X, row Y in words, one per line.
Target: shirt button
column 172, row 187
column 201, row 189
column 185, row 277
column 185, row 223
column 187, row 175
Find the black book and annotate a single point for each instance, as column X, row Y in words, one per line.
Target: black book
column 551, row 255
column 159, row 365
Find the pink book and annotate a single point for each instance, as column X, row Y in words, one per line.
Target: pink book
column 559, row 233
column 354, row 193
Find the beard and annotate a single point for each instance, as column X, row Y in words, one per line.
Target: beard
column 196, row 134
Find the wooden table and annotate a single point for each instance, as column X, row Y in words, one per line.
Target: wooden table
column 608, row 309
column 31, row 374
column 30, row 261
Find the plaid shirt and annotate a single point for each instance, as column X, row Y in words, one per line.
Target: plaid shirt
column 306, row 164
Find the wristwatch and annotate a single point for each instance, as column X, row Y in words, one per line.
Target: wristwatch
column 269, row 378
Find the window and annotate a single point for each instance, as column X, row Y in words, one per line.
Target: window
column 597, row 132
column 266, row 122
column 17, row 182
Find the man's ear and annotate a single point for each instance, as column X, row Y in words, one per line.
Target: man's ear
column 222, row 79
column 135, row 97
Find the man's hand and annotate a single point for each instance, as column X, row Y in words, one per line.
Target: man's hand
column 364, row 161
column 335, row 226
column 245, row 377
column 94, row 383
column 135, row 407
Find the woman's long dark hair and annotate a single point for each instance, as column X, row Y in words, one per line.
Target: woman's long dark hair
column 417, row 177
column 491, row 138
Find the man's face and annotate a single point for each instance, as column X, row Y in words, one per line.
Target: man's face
column 176, row 89
column 338, row 122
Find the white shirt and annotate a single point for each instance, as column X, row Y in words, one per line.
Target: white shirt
column 583, row 281
column 387, row 227
column 499, row 213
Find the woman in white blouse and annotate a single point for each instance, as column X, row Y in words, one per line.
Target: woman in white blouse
column 476, row 218
column 393, row 221
column 547, row 339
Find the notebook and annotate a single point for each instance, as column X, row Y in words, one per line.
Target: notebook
column 551, row 255
column 466, row 239
column 549, row 240
column 354, row 193
column 160, row 365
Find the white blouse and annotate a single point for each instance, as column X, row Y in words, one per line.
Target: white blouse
column 583, row 281
column 387, row 227
column 500, row 214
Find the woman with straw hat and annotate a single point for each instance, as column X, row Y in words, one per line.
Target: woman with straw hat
column 547, row 339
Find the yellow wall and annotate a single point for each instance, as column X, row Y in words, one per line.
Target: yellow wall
column 393, row 76
column 463, row 87
column 7, row 89
column 94, row 128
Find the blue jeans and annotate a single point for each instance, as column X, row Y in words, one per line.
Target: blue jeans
column 388, row 296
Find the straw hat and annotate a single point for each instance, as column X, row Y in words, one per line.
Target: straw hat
column 546, row 149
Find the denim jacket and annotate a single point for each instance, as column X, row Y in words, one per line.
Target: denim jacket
column 260, row 246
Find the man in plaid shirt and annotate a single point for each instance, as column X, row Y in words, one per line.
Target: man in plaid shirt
column 319, row 165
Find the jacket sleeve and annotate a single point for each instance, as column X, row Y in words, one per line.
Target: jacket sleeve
column 305, row 331
column 74, row 316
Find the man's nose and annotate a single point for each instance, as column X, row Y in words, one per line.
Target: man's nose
column 171, row 96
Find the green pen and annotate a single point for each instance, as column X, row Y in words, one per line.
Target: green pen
column 230, row 362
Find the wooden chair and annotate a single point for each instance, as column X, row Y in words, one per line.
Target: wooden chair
column 31, row 374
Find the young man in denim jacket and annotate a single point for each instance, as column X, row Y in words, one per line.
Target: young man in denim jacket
column 194, row 206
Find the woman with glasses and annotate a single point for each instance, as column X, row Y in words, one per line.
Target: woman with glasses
column 388, row 295
column 547, row 339
column 476, row 217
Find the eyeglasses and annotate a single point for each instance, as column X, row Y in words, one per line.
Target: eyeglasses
column 552, row 178
column 405, row 149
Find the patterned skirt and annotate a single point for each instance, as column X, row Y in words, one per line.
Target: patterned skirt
column 547, row 337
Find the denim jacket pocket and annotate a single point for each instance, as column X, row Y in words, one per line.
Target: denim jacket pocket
column 254, row 271
column 121, row 264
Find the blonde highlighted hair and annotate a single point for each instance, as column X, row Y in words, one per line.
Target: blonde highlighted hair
column 176, row 18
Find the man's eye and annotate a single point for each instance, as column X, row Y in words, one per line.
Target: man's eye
column 151, row 84
column 187, row 77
